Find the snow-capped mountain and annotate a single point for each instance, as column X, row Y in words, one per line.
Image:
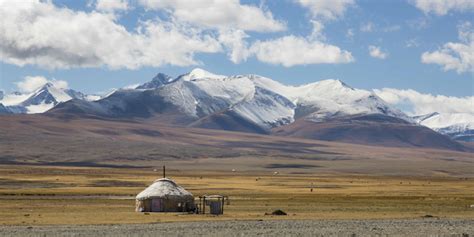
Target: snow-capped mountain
column 41, row 100
column 330, row 98
column 268, row 103
column 327, row 110
column 204, row 98
column 258, row 100
column 459, row 126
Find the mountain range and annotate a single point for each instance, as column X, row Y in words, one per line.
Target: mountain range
column 40, row 100
column 325, row 110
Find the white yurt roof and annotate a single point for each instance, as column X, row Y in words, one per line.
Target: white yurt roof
column 164, row 188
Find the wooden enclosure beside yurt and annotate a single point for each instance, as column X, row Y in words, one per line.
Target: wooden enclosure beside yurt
column 164, row 195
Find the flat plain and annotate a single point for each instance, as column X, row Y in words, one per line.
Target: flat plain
column 45, row 195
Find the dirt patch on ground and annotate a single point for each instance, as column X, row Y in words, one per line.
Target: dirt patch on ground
column 259, row 228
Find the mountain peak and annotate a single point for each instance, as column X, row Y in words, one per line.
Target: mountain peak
column 159, row 80
column 46, row 88
column 162, row 77
column 47, row 85
column 50, row 90
column 51, row 87
column 199, row 73
column 327, row 86
column 334, row 83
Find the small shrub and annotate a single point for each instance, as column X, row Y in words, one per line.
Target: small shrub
column 279, row 213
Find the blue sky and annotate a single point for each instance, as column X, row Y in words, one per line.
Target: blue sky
column 398, row 32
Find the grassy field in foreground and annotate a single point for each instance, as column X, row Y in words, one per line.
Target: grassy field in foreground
column 35, row 195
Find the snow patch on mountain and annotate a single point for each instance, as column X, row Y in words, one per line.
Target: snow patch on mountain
column 199, row 73
column 39, row 108
column 203, row 96
column 330, row 98
column 437, row 120
column 232, row 90
column 459, row 126
column 182, row 96
column 14, row 99
column 267, row 109
column 93, row 97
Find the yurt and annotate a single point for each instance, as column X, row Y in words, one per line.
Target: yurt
column 164, row 195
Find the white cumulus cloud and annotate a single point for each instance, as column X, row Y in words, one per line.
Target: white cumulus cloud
column 326, row 9
column 39, row 33
column 458, row 56
column 293, row 50
column 318, row 31
column 234, row 42
column 218, row 14
column 376, row 52
column 112, row 5
column 416, row 103
column 442, row 7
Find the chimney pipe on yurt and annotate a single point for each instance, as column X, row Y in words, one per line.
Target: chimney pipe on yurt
column 164, row 171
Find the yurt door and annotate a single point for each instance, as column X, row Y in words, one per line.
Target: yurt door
column 157, row 205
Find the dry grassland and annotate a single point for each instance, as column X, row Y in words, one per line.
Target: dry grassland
column 39, row 195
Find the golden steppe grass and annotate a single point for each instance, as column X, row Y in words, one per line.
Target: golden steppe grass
column 38, row 195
